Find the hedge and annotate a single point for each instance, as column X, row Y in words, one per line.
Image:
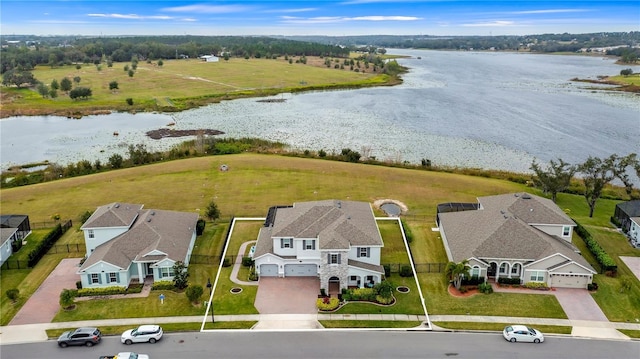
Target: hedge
column 605, row 261
column 43, row 247
column 89, row 292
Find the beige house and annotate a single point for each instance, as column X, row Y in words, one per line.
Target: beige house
column 515, row 236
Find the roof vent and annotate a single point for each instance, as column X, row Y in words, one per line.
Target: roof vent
column 526, row 196
column 117, row 205
column 339, row 204
column 153, row 213
column 149, row 219
column 530, row 209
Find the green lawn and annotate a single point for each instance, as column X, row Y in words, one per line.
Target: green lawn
column 546, row 329
column 369, row 324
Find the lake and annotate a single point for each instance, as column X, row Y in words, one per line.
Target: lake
column 468, row 109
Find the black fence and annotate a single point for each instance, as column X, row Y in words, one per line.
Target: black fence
column 67, row 248
column 211, row 260
column 420, row 267
column 14, row 264
column 49, row 224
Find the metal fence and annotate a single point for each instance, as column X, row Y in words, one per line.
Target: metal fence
column 420, row 267
column 67, row 248
column 14, row 264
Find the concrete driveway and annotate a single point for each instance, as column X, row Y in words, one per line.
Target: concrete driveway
column 291, row 295
column 45, row 302
column 578, row 304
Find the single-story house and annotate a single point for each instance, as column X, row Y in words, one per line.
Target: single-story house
column 7, row 237
column 634, row 231
column 13, row 228
column 625, row 211
column 336, row 241
column 210, row 58
column 126, row 243
column 516, row 235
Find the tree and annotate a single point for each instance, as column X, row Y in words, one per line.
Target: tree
column 85, row 216
column 213, row 212
column 180, row 275
column 115, row 161
column 194, row 292
column 131, row 72
column 18, row 78
column 13, row 294
column 113, row 85
column 65, row 84
column 66, row 298
column 556, row 178
column 457, row 271
column 77, row 79
column 80, row 92
column 160, row 63
column 43, row 90
column 619, row 167
column 626, row 72
column 54, row 84
column 597, row 173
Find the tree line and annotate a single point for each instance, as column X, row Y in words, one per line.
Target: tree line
column 595, row 173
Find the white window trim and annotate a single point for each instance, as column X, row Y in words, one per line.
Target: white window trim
column 91, row 234
column 331, row 258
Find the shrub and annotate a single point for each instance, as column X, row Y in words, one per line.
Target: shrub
column 12, row 294
column 200, row 227
column 79, row 284
column 405, row 271
column 247, row 261
column 592, row 286
column 384, row 289
column 87, row 292
column 407, row 231
column 226, row 262
column 129, row 101
column 41, row 248
column 163, row 285
column 485, row 288
column 382, row 300
column 194, row 292
column 463, row 289
column 16, row 245
column 605, row 261
column 366, row 294
column 536, row 285
column 66, row 297
column 327, row 304
column 474, row 280
column 504, row 280
column 387, row 270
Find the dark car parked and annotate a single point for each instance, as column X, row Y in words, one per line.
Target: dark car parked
column 80, row 336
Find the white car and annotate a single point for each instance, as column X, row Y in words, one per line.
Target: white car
column 142, row 334
column 522, row 333
column 125, row 355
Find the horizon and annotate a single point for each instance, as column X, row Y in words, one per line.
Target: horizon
column 316, row 18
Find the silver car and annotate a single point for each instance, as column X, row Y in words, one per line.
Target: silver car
column 142, row 334
column 522, row 333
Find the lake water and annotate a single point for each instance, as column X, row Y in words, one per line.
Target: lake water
column 467, row 109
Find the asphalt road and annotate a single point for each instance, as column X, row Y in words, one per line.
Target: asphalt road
column 335, row 344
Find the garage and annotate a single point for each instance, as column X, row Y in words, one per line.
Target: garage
column 300, row 270
column 269, row 270
column 569, row 280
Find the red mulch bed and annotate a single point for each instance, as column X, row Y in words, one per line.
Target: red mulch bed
column 456, row 293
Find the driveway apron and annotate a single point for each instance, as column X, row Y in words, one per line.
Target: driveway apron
column 44, row 303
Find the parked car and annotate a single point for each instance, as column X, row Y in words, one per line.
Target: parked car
column 142, row 334
column 125, row 355
column 81, row 336
column 522, row 333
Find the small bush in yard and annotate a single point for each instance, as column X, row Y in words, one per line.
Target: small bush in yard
column 485, row 288
column 405, row 271
column 327, row 303
column 247, row 261
column 592, row 286
column 163, row 285
column 12, row 294
column 194, row 292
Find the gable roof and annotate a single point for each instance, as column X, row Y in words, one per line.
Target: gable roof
column 631, row 208
column 337, row 225
column 113, row 215
column 503, row 228
column 12, row 220
column 6, row 234
column 168, row 232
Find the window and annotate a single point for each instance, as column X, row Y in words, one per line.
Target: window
column 91, row 234
column 334, row 258
column 166, row 272
column 504, row 267
column 475, row 271
column 537, row 276
column 113, row 277
column 95, row 278
column 309, row 244
column 353, row 278
column 566, row 230
column 286, row 242
column 515, row 269
column 363, row 252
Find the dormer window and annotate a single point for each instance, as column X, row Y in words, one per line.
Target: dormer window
column 566, row 230
column 309, row 244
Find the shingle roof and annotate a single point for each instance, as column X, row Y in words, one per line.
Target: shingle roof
column 6, row 234
column 502, row 228
column 367, row 266
column 168, row 232
column 12, row 220
column 113, row 215
column 337, row 225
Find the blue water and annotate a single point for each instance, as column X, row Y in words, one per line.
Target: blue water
column 470, row 109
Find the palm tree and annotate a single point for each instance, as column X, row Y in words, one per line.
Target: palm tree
column 457, row 271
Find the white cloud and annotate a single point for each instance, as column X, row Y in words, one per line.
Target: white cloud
column 498, row 23
column 131, row 16
column 290, row 11
column 550, row 11
column 208, row 9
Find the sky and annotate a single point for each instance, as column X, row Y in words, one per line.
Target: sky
column 324, row 17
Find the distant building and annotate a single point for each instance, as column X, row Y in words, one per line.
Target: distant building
column 210, row 58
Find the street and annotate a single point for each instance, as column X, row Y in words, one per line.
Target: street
column 335, row 344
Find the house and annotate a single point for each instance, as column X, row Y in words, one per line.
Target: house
column 7, row 237
column 634, row 231
column 127, row 243
column 516, row 236
column 337, row 241
column 210, row 58
column 624, row 212
column 14, row 228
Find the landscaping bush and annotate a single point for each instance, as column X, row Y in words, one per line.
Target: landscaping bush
column 194, row 292
column 226, row 262
column 506, row 281
column 12, row 294
column 163, row 285
column 474, row 280
column 485, row 288
column 605, row 261
column 382, row 300
column 16, row 245
column 536, row 285
column 247, row 261
column 66, row 297
column 79, row 284
column 41, row 249
column 407, row 231
column 405, row 271
column 592, row 286
column 200, row 227
column 327, row 304
column 366, row 294
column 88, row 292
column 387, row 270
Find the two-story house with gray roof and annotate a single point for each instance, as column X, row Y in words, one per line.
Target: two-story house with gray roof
column 336, row 241
column 127, row 243
column 516, row 236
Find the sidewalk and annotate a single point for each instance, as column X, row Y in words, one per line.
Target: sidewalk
column 28, row 333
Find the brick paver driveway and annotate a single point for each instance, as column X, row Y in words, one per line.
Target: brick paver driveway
column 578, row 304
column 45, row 302
column 291, row 295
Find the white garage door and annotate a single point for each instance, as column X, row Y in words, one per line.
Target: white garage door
column 269, row 270
column 569, row 281
column 300, row 270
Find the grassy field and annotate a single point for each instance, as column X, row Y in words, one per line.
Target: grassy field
column 545, row 329
column 256, row 182
column 179, row 84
